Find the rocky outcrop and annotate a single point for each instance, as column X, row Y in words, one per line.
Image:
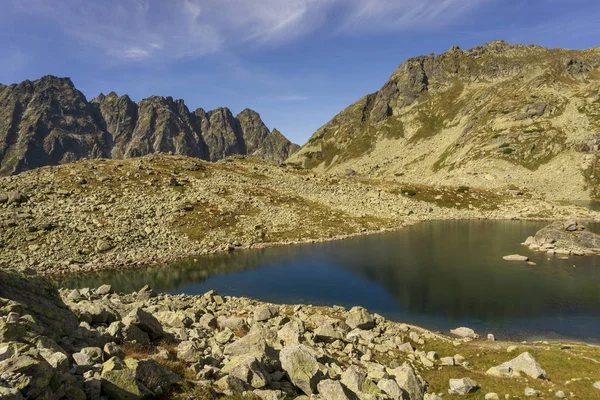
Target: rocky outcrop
column 48, row 122
column 565, row 238
column 497, row 115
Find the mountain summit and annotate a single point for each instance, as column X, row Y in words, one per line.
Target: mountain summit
column 48, row 122
column 496, row 115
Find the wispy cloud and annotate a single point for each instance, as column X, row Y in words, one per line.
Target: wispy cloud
column 134, row 30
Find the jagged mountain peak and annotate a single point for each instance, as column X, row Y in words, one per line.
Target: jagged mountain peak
column 48, row 121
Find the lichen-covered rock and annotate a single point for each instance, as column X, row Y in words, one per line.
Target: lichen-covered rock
column 249, row 369
column 300, row 364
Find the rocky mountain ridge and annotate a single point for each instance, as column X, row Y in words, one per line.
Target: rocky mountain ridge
column 494, row 116
column 48, row 122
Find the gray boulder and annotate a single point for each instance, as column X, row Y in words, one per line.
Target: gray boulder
column 300, row 364
column 146, row 322
column 249, row 369
column 358, row 317
column 334, row 390
column 462, row 386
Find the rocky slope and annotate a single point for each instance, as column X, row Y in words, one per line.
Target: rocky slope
column 494, row 116
column 48, row 122
column 144, row 345
column 113, row 213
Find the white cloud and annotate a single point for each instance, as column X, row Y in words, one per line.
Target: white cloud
column 131, row 30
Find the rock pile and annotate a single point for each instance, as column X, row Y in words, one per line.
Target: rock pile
column 565, row 238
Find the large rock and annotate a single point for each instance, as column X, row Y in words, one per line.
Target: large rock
column 332, row 330
column 255, row 343
column 300, row 364
column 122, row 384
column 249, row 369
column 334, row 390
column 355, row 379
column 153, row 375
column 464, row 333
column 462, row 386
column 408, row 381
column 36, row 374
column 38, row 297
column 358, row 317
column 146, row 322
column 524, row 363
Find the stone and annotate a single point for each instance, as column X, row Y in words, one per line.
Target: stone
column 121, row 384
column 249, row 369
column 104, row 290
column 447, row 361
column 264, row 313
column 102, row 246
column 131, row 333
column 524, row 363
column 560, row 394
column 300, row 364
column 188, row 351
column 355, row 379
column 111, row 349
column 37, row 374
column 255, row 343
column 208, row 321
column 155, row 376
column 408, row 381
column 515, row 257
column 146, row 322
column 464, row 333
column 492, row 396
column 10, row 394
column 405, row 347
column 331, row 330
column 462, row 386
column 596, row 385
column 390, row 387
column 359, row 318
column 531, row 392
column 230, row 385
column 333, row 390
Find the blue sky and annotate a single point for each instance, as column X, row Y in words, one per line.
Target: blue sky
column 296, row 62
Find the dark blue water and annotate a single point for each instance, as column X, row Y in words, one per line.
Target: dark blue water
column 438, row 275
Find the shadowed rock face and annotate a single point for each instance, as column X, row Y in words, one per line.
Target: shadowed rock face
column 48, row 122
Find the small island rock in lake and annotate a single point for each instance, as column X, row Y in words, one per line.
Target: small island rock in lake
column 567, row 238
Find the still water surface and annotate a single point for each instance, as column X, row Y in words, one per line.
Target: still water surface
column 438, row 275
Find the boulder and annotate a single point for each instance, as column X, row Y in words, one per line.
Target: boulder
column 515, row 257
column 358, row 317
column 355, row 379
column 333, row 390
column 39, row 298
column 524, row 363
column 146, row 322
column 249, row 369
column 154, row 376
column 331, row 330
column 36, row 374
column 464, row 332
column 390, row 387
column 264, row 313
column 188, row 351
column 300, row 364
column 462, row 386
column 408, row 381
column 122, row 384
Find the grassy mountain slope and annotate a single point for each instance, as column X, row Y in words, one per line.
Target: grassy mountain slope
column 494, row 116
